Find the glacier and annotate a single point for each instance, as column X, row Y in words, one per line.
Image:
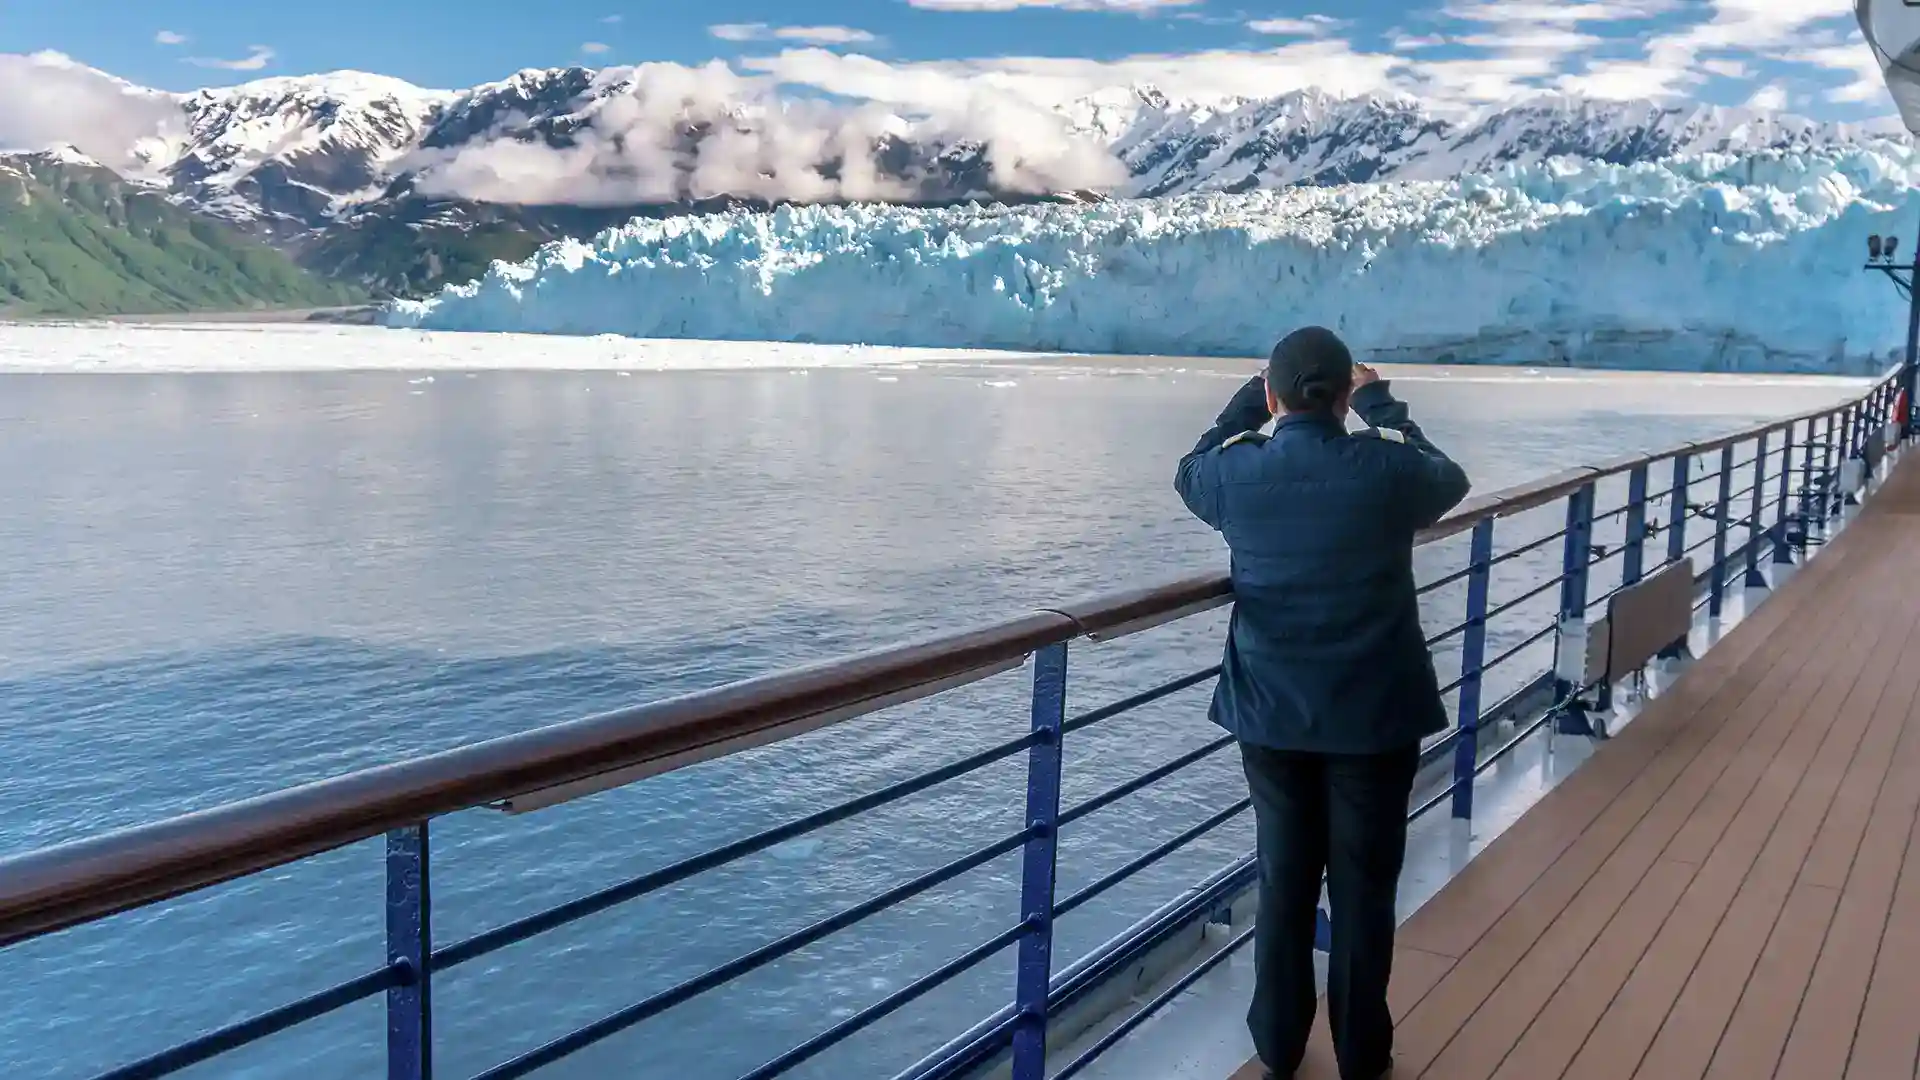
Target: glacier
column 1713, row 262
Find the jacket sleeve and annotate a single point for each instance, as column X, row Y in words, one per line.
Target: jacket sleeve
column 1431, row 482
column 1198, row 478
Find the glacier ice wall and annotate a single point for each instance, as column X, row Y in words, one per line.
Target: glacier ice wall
column 1713, row 263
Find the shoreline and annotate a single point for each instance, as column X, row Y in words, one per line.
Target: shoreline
column 333, row 340
column 344, row 315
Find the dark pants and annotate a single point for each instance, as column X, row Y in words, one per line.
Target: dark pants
column 1344, row 815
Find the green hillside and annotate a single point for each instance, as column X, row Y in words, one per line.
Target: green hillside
column 76, row 239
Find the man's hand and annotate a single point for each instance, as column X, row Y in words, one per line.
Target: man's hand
column 1248, row 410
column 1364, row 376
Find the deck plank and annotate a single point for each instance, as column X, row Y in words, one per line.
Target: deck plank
column 1757, row 1033
column 1560, row 1030
column 1765, row 698
column 1515, row 861
column 1564, row 1025
column 1722, row 837
column 1691, row 1033
column 1756, row 1037
column 1887, row 1041
column 1821, row 1042
column 1730, row 889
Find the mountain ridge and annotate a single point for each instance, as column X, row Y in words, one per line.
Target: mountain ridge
column 388, row 123
column 78, row 239
column 403, row 188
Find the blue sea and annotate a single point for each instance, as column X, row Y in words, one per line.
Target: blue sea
column 220, row 584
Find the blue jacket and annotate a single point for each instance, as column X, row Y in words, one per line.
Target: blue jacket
column 1325, row 652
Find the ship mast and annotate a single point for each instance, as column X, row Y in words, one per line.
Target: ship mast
column 1892, row 30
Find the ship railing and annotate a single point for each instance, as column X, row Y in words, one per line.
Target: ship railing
column 1526, row 567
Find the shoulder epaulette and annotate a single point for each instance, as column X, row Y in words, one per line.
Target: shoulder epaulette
column 1253, row 437
column 1389, row 434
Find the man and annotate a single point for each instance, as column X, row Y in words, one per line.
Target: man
column 1327, row 684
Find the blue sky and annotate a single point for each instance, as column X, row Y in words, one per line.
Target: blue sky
column 1805, row 54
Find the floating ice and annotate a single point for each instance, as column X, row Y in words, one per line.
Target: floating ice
column 1716, row 263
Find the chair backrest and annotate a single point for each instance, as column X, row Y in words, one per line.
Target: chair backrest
column 1647, row 617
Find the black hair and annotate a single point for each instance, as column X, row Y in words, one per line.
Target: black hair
column 1310, row 369
column 1313, row 395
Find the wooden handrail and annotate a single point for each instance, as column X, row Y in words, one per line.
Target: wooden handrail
column 73, row 883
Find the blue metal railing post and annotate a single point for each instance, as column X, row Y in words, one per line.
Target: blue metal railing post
column 1882, row 416
column 1576, row 556
column 1851, row 428
column 1870, row 428
column 1836, row 506
column 1473, row 656
column 1039, row 860
column 1782, row 554
column 1677, row 500
column 1877, row 430
column 1633, row 555
column 1755, row 531
column 1828, row 450
column 409, row 944
column 1633, row 560
column 1722, row 506
column 1807, row 502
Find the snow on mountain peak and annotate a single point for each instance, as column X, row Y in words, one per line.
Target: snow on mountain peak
column 544, row 152
column 297, row 148
column 345, row 87
column 295, row 154
column 67, row 154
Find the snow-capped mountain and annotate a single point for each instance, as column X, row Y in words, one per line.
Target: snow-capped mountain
column 293, row 155
column 290, row 155
column 296, row 153
column 1175, row 148
column 375, row 178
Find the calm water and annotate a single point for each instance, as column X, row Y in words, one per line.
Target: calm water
column 221, row 584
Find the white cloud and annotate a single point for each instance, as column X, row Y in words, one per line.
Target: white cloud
column 1310, row 26
column 595, row 48
column 1522, row 46
column 49, row 99
column 1127, row 7
column 1328, row 64
column 1772, row 97
column 1556, row 11
column 634, row 151
column 1816, row 33
column 1543, row 41
column 258, row 57
column 612, row 20
column 1865, row 81
column 810, row 35
column 169, row 37
column 1506, row 49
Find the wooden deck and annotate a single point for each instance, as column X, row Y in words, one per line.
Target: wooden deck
column 1729, row 889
